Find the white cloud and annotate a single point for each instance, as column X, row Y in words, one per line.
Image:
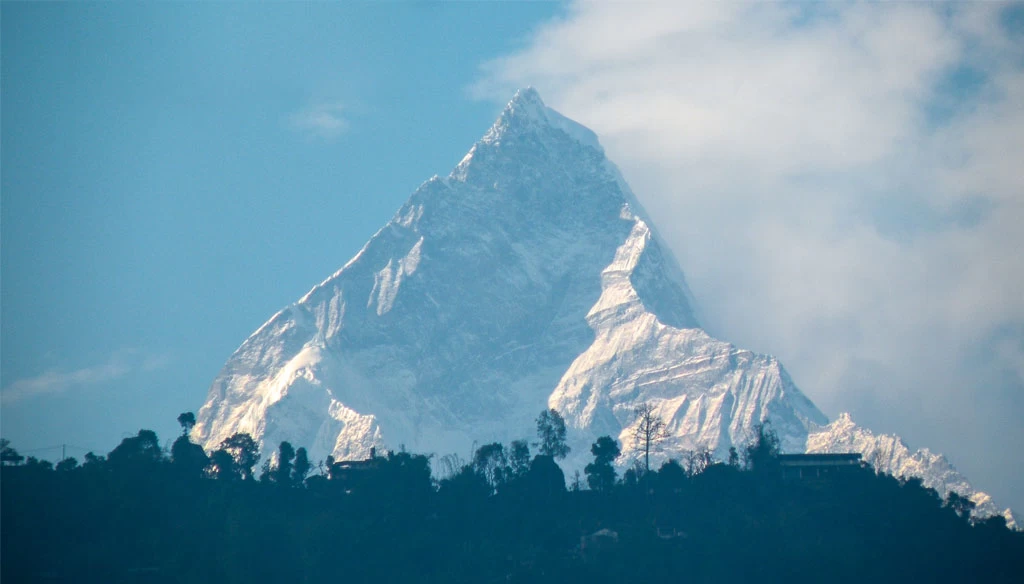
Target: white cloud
column 320, row 120
column 119, row 365
column 841, row 184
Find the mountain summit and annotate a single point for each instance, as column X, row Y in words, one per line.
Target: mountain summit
column 530, row 277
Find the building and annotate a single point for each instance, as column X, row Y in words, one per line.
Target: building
column 818, row 465
column 350, row 473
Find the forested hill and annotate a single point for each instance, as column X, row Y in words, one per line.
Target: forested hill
column 142, row 515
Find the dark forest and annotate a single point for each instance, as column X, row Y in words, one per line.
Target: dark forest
column 141, row 514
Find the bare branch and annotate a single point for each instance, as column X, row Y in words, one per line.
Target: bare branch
column 650, row 430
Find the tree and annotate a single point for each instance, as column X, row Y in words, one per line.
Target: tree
column 222, row 465
column 244, row 453
column 649, row 431
column 960, row 505
column 93, row 461
column 551, row 431
column 8, row 455
column 464, row 487
column 187, row 421
column 68, row 464
column 141, row 449
column 403, row 480
column 763, row 450
column 601, row 473
column 285, row 454
column 545, row 479
column 519, row 458
column 187, row 457
column 633, row 474
column 698, row 460
column 36, row 464
column 671, row 476
column 301, row 467
column 734, row 457
column 490, row 461
column 450, row 465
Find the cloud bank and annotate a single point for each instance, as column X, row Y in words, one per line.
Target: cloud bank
column 841, row 184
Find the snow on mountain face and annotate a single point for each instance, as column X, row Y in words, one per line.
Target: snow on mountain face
column 889, row 455
column 529, row 277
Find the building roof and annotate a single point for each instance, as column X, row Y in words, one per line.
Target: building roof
column 821, row 459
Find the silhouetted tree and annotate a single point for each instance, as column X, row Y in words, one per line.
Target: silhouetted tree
column 187, row 421
column 519, row 458
column 577, row 482
column 301, row 467
column 551, row 431
column 996, row 524
column 671, row 475
column 404, row 479
column 734, row 457
column 282, row 473
column 8, row 455
column 698, row 460
column 960, row 505
column 137, row 451
column 466, row 485
column 544, row 479
column 267, row 474
column 633, row 474
column 68, row 464
column 763, row 450
column 190, row 459
column 649, row 431
column 244, row 452
column 449, row 465
column 93, row 461
column 34, row 463
column 222, row 465
column 601, row 473
column 490, row 461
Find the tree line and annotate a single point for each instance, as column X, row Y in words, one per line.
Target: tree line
column 140, row 514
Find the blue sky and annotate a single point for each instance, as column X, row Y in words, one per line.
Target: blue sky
column 173, row 174
column 840, row 183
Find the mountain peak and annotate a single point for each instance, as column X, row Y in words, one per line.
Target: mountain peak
column 527, row 95
column 529, row 279
column 526, row 113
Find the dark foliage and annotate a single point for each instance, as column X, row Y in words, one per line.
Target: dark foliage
column 244, row 454
column 9, row 455
column 551, row 432
column 139, row 515
column 187, row 420
column 601, row 473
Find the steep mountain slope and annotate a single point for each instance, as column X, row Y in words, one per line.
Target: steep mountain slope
column 529, row 277
column 530, row 269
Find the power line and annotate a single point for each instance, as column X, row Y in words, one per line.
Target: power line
column 62, row 447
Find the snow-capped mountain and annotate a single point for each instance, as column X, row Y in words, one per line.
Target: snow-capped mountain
column 529, row 277
column 890, row 455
